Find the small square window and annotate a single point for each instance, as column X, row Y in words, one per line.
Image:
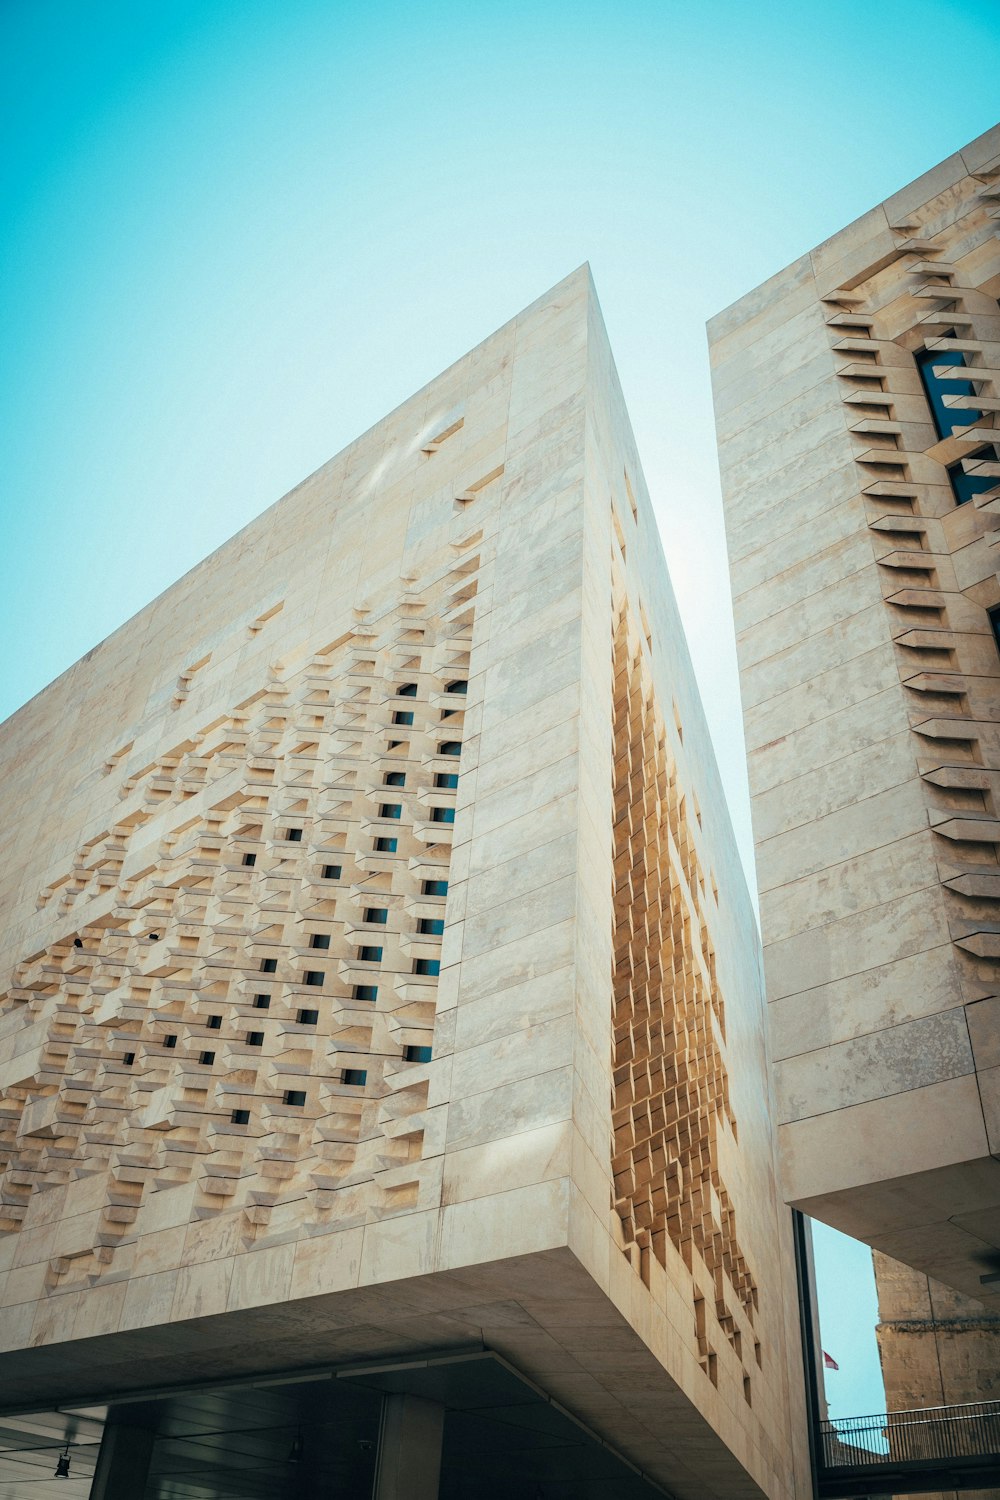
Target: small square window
column 402, row 716
column 262, row 1002
column 293, row 835
column 214, row 1023
column 319, row 940
column 431, row 926
column 408, row 690
column 386, row 846
column 331, row 872
column 294, row 1096
column 249, row 860
column 170, row 1041
column 128, row 1059
column 240, row 1117
column 356, row 1077
column 366, row 992
column 426, row 966
column 390, row 810
column 417, row 1054
column 459, row 686
column 448, row 713
column 206, row 1058
column 446, row 779
column 307, row 1017
column 450, row 747
column 994, row 615
column 377, row 914
column 442, row 815
column 394, row 778
column 255, row 1039
column 313, row 977
column 434, row 887
column 269, row 966
column 369, row 955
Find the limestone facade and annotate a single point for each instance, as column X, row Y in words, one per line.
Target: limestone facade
column 857, row 395
column 936, row 1347
column 378, row 972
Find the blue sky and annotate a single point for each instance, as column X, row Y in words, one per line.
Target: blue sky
column 235, row 234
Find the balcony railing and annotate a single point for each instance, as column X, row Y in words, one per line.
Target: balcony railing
column 936, row 1447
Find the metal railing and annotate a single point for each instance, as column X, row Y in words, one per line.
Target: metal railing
column 929, row 1435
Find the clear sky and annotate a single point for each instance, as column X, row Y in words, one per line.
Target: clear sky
column 237, row 232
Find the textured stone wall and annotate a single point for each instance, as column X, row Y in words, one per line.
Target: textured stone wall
column 312, row 981
column 937, row 1348
column 871, row 694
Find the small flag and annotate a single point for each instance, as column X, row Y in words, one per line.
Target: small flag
column 829, row 1363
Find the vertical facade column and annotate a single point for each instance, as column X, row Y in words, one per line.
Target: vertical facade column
column 124, row 1459
column 409, row 1449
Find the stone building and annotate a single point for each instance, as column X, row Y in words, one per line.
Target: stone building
column 937, row 1347
column 857, row 395
column 383, row 1079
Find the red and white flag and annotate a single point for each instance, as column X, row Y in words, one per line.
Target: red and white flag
column 829, row 1363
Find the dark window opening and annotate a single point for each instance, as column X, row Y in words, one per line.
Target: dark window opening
column 446, row 779
column 170, row 1041
column 206, row 1058
column 450, row 747
column 377, row 914
column 426, row 966
column 442, row 815
column 386, row 846
column 369, row 955
column 365, row 992
column 307, row 1017
column 249, row 860
column 255, row 1039
column 319, row 940
column 293, row 835
column 331, row 872
column 408, row 690
column 356, row 1077
column 457, row 687
column 261, row 1002
column 294, row 1096
column 128, row 1059
column 402, row 716
column 435, row 887
column 313, row 977
column 240, row 1117
column 994, row 615
column 214, row 1023
column 390, row 810
column 945, row 418
column 394, row 778
column 268, row 965
column 417, row 1054
column 964, row 486
column 431, row 926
